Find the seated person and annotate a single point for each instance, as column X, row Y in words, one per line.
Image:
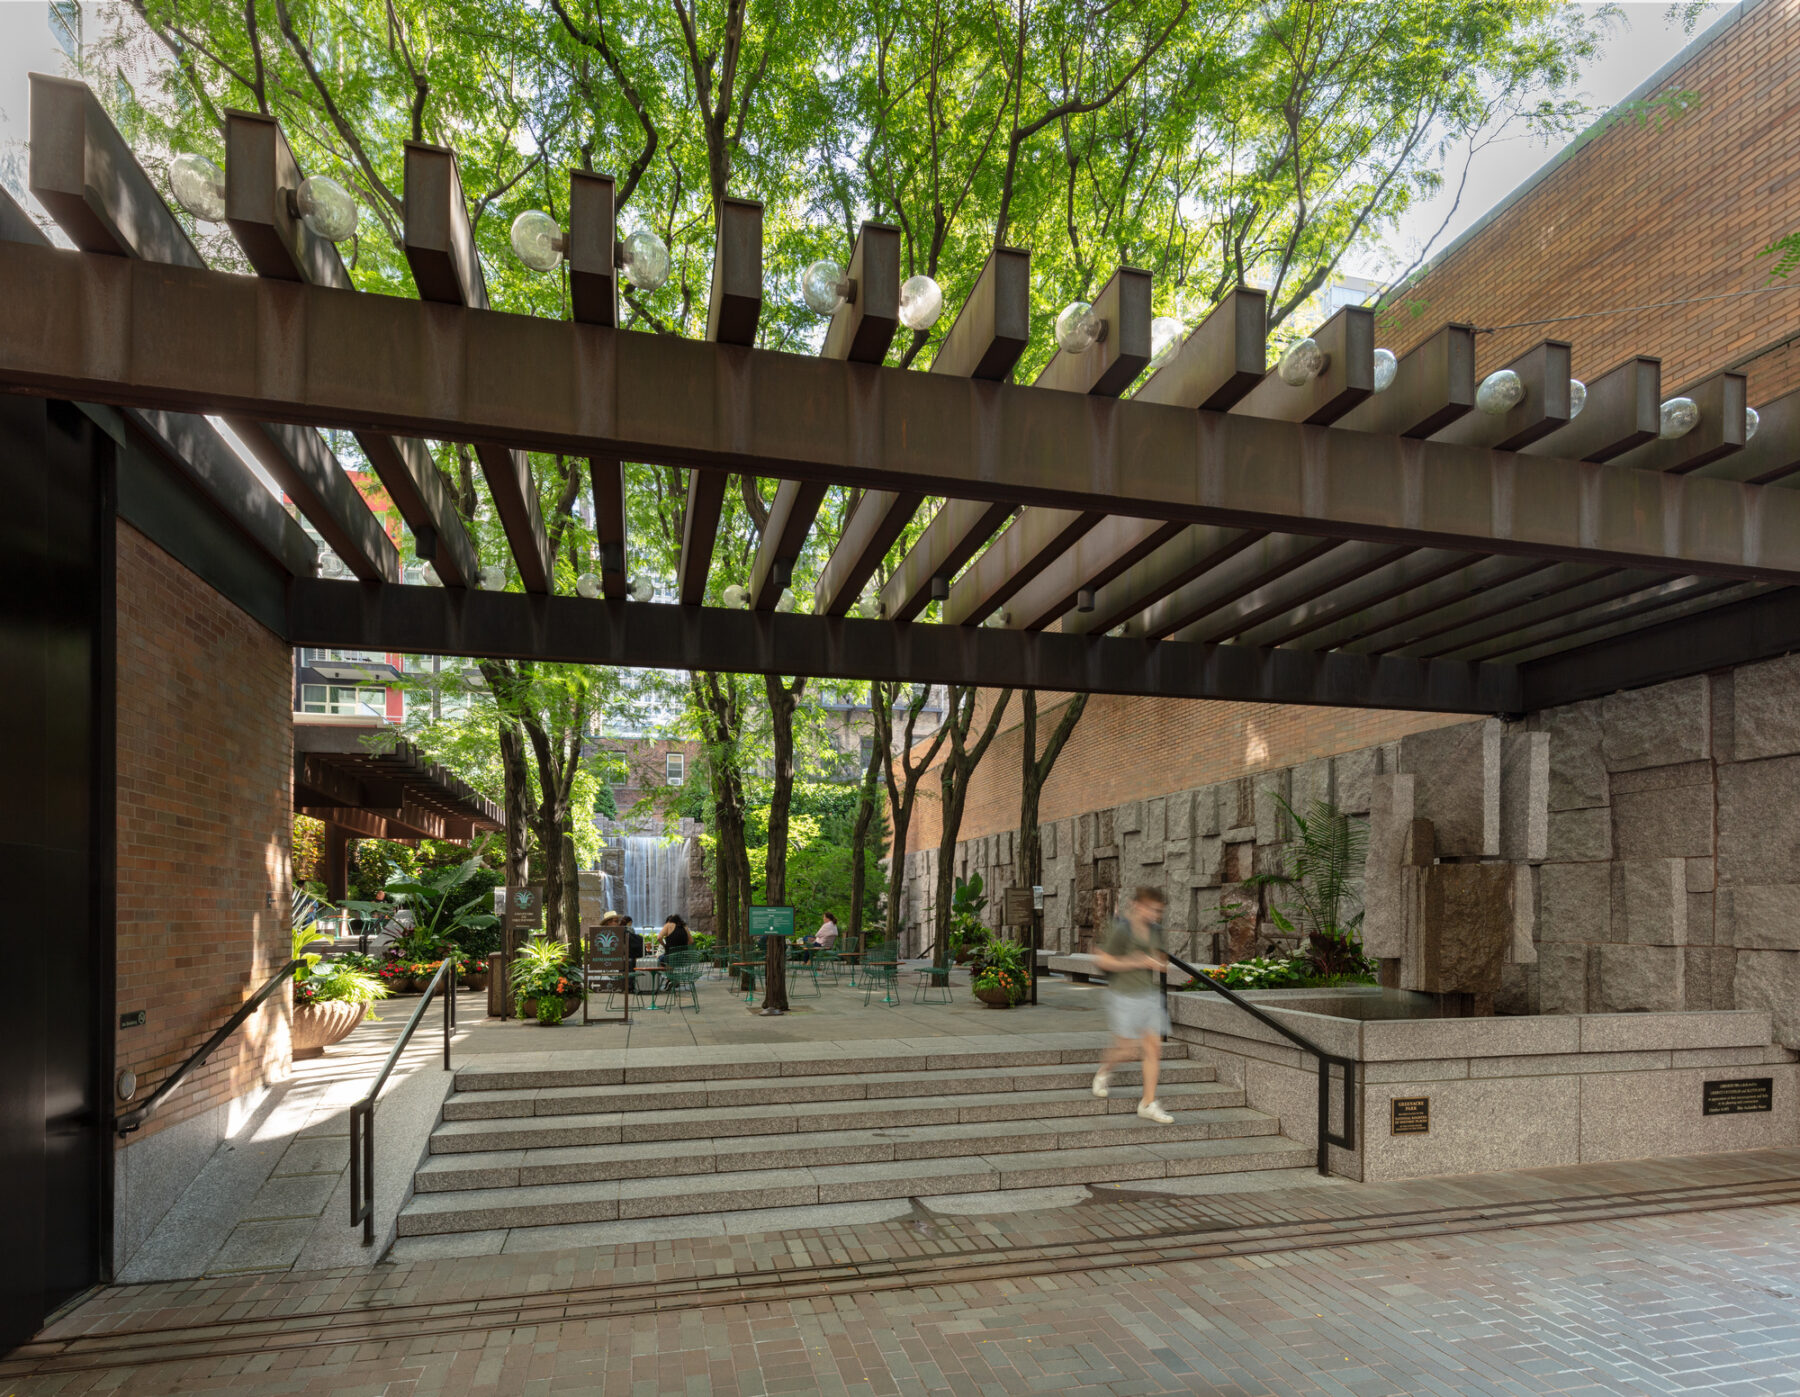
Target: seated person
column 675, row 937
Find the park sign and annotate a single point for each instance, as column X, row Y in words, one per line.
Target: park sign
column 772, row 921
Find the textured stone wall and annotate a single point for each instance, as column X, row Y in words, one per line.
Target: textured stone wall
column 205, row 800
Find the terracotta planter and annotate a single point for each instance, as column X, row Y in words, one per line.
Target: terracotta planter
column 571, row 1005
column 318, row 1026
column 962, row 956
column 475, row 980
column 994, row 998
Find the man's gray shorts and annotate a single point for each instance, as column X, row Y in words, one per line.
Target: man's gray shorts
column 1134, row 1015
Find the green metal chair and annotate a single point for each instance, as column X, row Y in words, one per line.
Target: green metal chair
column 680, row 974
column 926, row 991
column 880, row 972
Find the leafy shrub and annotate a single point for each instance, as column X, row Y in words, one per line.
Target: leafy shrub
column 1003, row 969
column 541, row 970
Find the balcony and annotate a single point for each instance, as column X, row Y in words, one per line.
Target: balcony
column 353, row 666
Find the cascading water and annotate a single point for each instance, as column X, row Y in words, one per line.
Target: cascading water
column 655, row 881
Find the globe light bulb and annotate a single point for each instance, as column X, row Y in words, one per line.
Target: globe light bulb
column 998, row 620
column 537, row 240
column 921, row 302
column 1166, row 333
column 736, row 597
column 326, row 207
column 493, row 577
column 587, row 585
column 1577, row 398
column 1078, row 329
column 429, row 576
column 1752, row 420
column 824, row 287
column 1386, row 367
column 1679, row 417
column 198, row 186
column 644, row 258
column 786, row 601
column 641, row 589
column 1303, row 362
column 1501, row 391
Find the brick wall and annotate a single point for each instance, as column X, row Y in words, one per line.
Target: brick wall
column 1648, row 211
column 205, row 771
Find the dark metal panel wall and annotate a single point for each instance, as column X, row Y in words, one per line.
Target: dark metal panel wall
column 56, row 768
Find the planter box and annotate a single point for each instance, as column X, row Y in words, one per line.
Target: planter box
column 318, row 1026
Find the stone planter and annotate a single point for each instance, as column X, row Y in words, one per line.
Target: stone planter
column 994, row 998
column 571, row 1005
column 475, row 979
column 318, row 1026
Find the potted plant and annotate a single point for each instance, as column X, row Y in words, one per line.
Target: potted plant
column 449, row 914
column 545, row 986
column 968, row 933
column 330, row 997
column 1001, row 982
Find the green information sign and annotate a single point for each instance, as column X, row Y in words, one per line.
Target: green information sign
column 771, row 921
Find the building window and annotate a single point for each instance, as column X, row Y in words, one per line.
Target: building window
column 867, row 751
column 675, row 768
column 343, row 701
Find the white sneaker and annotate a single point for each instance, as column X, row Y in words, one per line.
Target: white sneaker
column 1100, row 1080
column 1153, row 1111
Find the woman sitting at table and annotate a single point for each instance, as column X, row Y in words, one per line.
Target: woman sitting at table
column 675, row 937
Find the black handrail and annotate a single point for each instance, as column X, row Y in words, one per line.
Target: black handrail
column 362, row 1114
column 1345, row 1141
column 135, row 1117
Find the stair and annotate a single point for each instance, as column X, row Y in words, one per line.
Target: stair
column 528, row 1147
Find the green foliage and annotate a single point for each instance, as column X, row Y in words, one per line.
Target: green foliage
column 542, row 969
column 450, row 907
column 1003, row 968
column 305, row 936
column 336, row 981
column 1326, row 857
column 1291, row 972
column 1786, row 252
column 967, row 902
column 376, row 863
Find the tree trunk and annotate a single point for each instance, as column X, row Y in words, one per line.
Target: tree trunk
column 1034, row 771
column 953, row 780
column 882, row 721
column 782, row 701
column 902, row 791
column 518, row 807
column 571, row 869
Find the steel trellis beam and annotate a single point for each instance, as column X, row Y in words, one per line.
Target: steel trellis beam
column 105, row 329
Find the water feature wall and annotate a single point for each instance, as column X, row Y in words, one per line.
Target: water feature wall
column 654, row 884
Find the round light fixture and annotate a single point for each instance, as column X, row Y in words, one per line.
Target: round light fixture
column 998, row 620
column 493, row 577
column 1577, row 398
column 429, row 576
column 326, row 207
column 1679, row 417
column 737, row 597
column 641, row 589
column 1166, row 333
column 1501, row 391
column 1386, row 366
column 1752, row 420
column 198, row 186
column 587, row 585
column 537, row 240
column 644, row 258
column 1303, row 362
column 921, row 302
column 1078, row 329
column 785, row 602
column 824, row 287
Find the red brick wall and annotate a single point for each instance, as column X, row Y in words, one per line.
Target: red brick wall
column 1648, row 212
column 205, row 771
column 1128, row 748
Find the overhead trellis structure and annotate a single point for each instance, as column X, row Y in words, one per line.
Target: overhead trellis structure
column 1315, row 533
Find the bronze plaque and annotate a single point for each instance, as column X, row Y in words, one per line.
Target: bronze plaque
column 1412, row 1115
column 1016, row 909
column 1735, row 1097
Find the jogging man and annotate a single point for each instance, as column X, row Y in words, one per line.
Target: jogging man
column 1132, row 953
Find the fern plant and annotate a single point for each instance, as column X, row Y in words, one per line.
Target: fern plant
column 1319, row 896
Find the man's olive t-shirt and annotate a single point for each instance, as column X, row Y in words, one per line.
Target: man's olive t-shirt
column 1121, row 940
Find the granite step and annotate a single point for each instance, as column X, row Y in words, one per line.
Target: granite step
column 683, row 1065
column 731, row 1093
column 473, row 1210
column 491, row 1169
column 703, row 1123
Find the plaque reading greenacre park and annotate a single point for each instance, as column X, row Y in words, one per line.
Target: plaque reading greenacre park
column 771, row 921
column 1412, row 1115
column 1743, row 1094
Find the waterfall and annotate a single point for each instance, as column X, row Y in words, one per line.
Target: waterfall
column 655, row 881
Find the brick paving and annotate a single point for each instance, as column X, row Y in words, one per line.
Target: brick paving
column 1680, row 1276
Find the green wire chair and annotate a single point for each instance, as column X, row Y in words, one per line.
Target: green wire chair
column 680, row 974
column 880, row 973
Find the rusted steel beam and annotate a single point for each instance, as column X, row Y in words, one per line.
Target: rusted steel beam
column 105, row 329
column 1718, row 434
column 1519, row 617
column 1544, row 371
column 593, row 246
column 1394, row 620
column 875, row 523
column 1649, row 605
column 1434, row 384
column 863, row 328
column 954, row 535
column 1222, row 360
column 606, row 474
column 699, row 530
column 1773, row 454
column 260, row 174
column 1109, row 549
column 1403, row 575
column 1504, row 593
column 427, row 620
column 735, row 303
column 85, row 175
column 1314, row 578
column 1348, row 339
column 1193, row 553
column 1025, row 548
column 1112, row 363
column 1267, row 560
column 784, row 536
column 440, row 249
column 1623, row 410
column 994, row 325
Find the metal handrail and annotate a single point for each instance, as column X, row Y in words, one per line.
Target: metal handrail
column 362, row 1114
column 135, row 1117
column 1344, row 1141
